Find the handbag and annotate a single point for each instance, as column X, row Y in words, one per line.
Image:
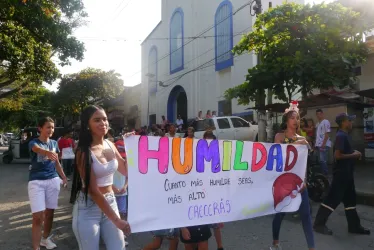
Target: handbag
column 67, row 153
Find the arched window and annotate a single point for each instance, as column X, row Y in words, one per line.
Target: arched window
column 224, row 40
column 152, row 70
column 176, row 41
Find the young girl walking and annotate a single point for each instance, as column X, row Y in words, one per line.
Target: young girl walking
column 290, row 124
column 44, row 183
column 95, row 212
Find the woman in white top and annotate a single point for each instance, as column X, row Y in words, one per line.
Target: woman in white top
column 95, row 213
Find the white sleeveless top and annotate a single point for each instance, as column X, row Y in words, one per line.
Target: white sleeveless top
column 104, row 172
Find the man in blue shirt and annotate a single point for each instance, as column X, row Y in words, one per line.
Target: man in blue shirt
column 342, row 187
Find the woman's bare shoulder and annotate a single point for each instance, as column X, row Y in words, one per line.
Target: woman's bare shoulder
column 279, row 137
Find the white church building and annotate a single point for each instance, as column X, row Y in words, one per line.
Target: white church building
column 187, row 63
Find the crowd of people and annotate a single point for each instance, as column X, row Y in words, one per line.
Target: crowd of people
column 180, row 124
column 99, row 192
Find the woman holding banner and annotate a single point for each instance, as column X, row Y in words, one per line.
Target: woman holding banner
column 290, row 125
column 95, row 213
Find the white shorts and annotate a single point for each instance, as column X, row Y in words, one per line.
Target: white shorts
column 44, row 194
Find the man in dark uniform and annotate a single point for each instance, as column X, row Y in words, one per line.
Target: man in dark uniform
column 342, row 186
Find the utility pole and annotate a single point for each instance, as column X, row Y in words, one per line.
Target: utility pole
column 149, row 76
column 269, row 123
column 260, row 102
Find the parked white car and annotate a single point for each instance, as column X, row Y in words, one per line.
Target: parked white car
column 227, row 128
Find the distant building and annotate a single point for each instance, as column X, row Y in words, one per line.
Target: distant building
column 132, row 102
column 187, row 63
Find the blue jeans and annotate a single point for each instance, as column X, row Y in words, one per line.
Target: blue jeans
column 323, row 158
column 306, row 220
column 89, row 224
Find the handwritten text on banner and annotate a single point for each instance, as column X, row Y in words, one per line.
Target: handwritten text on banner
column 176, row 182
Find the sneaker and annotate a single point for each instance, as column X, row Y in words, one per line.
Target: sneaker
column 276, row 247
column 48, row 243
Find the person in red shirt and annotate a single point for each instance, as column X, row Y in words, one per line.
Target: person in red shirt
column 66, row 145
column 120, row 145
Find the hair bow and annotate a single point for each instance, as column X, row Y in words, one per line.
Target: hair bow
column 293, row 107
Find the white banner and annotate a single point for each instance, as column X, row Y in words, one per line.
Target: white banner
column 176, row 182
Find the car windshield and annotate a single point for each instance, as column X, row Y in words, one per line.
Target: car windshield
column 203, row 125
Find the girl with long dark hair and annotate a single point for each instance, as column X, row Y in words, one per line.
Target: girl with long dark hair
column 95, row 213
column 290, row 125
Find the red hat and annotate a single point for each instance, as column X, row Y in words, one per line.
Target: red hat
column 285, row 188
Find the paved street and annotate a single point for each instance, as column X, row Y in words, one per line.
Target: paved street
column 15, row 224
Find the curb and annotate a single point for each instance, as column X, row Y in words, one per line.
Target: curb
column 364, row 198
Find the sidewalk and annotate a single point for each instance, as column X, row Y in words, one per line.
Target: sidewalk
column 364, row 181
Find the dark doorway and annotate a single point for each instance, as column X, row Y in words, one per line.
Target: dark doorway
column 182, row 106
column 177, row 104
column 152, row 120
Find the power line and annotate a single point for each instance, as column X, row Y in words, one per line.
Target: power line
column 212, row 48
column 199, row 35
column 115, row 9
column 156, row 38
column 124, row 7
column 200, row 67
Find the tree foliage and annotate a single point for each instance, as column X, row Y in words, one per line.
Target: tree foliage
column 90, row 86
column 36, row 103
column 32, row 33
column 303, row 48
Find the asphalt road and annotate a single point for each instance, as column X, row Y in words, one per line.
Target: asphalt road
column 15, row 224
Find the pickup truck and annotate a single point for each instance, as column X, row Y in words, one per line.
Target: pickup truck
column 227, row 128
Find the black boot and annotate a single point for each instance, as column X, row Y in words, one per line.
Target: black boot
column 354, row 224
column 320, row 221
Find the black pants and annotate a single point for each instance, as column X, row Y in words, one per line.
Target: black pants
column 67, row 165
column 342, row 190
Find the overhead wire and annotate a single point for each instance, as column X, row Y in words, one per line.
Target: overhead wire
column 199, row 35
column 156, row 38
column 124, row 7
column 212, row 48
column 116, row 8
column 200, row 67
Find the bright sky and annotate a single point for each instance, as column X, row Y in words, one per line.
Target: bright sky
column 113, row 35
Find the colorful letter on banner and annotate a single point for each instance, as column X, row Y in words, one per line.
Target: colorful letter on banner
column 178, row 182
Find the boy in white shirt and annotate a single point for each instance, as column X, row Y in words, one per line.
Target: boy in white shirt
column 323, row 142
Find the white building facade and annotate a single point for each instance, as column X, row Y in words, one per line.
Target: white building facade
column 187, row 64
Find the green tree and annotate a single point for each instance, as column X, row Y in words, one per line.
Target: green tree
column 89, row 86
column 32, row 33
column 36, row 103
column 303, row 48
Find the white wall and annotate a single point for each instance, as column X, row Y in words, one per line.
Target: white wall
column 204, row 87
column 367, row 74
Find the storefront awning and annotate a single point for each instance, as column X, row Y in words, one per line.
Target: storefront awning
column 366, row 93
